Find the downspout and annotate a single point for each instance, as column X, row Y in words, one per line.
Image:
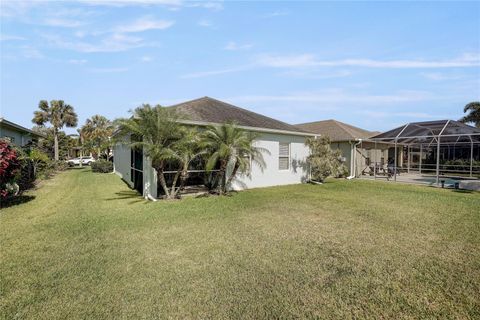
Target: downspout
column 353, row 161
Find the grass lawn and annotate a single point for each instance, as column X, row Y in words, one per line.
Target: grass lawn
column 87, row 247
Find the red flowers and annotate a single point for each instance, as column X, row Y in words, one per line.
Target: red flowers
column 9, row 167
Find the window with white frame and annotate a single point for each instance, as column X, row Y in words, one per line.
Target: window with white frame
column 284, row 156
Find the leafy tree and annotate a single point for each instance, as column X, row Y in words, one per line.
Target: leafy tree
column 58, row 114
column 159, row 134
column 9, row 168
column 46, row 144
column 323, row 161
column 96, row 133
column 38, row 159
column 229, row 146
column 473, row 116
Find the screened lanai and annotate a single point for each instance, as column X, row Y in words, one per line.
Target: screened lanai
column 434, row 152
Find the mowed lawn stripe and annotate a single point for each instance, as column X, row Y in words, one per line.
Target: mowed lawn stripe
column 88, row 247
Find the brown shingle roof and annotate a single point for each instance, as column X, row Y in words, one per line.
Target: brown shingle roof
column 336, row 130
column 210, row 110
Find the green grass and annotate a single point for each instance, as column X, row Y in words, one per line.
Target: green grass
column 88, row 247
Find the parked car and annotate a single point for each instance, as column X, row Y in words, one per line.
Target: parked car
column 83, row 160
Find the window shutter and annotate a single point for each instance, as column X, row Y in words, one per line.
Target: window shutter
column 283, row 163
column 284, row 156
column 284, row 149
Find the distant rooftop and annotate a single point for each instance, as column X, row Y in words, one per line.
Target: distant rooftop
column 336, row 130
column 214, row 111
column 6, row 123
column 448, row 130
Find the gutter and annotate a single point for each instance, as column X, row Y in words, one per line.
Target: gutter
column 354, row 159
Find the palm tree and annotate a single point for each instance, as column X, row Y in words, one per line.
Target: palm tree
column 184, row 152
column 159, row 133
column 58, row 114
column 230, row 147
column 474, row 113
column 97, row 132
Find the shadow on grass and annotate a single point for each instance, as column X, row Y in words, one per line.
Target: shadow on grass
column 130, row 194
column 16, row 201
column 462, row 191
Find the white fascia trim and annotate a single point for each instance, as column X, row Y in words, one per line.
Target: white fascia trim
column 204, row 123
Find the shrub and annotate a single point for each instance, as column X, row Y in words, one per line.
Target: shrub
column 102, row 166
column 27, row 174
column 324, row 162
column 10, row 166
column 52, row 167
column 60, row 165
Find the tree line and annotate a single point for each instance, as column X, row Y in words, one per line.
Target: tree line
column 224, row 150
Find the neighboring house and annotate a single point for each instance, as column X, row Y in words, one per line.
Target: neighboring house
column 353, row 142
column 16, row 134
column 285, row 160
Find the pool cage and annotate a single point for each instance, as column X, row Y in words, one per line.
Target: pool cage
column 436, row 150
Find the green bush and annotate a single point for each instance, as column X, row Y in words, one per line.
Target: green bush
column 102, row 166
column 60, row 165
column 324, row 162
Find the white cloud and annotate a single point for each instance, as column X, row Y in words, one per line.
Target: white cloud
column 376, row 114
column 124, row 3
column 204, row 74
column 77, row 61
column 277, row 13
column 17, row 8
column 437, row 76
column 212, row 5
column 108, row 70
column 317, row 74
column 205, row 23
column 80, row 34
column 291, row 61
column 144, row 24
column 146, row 59
column 65, row 23
column 233, row 46
column 31, row 53
column 339, row 96
column 112, row 43
column 6, row 37
column 309, row 60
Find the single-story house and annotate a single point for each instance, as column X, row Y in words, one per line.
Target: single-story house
column 285, row 160
column 17, row 134
column 357, row 150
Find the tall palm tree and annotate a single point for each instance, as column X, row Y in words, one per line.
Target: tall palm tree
column 97, row 131
column 159, row 132
column 230, row 147
column 474, row 113
column 58, row 114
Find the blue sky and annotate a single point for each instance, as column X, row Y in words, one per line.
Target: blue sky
column 372, row 64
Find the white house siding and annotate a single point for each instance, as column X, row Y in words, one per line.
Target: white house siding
column 149, row 178
column 258, row 177
column 121, row 162
column 271, row 175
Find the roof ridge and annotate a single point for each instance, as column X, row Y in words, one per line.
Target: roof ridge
column 188, row 101
column 345, row 128
column 292, row 127
column 312, row 122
